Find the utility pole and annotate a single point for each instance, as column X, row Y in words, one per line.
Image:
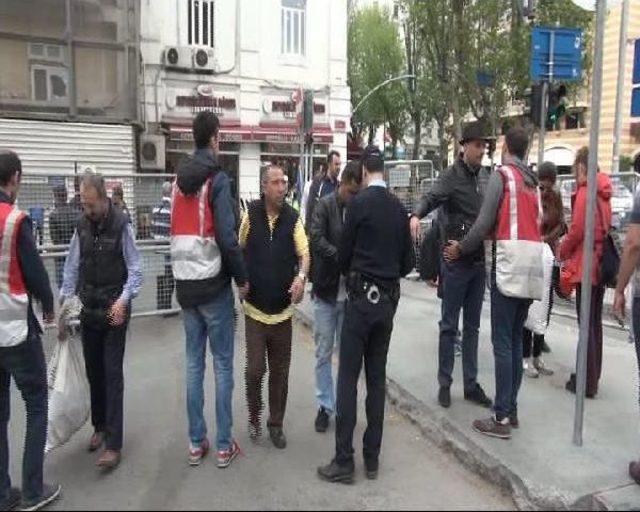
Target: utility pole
column 589, row 235
column 622, row 57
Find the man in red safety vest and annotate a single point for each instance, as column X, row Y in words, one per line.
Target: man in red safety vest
column 509, row 225
column 23, row 279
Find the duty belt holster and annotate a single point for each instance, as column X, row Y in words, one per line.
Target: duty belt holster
column 360, row 286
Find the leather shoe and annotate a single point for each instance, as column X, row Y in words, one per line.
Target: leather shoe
column 110, row 459
column 444, row 397
column 277, row 437
column 634, row 471
column 96, row 442
column 335, row 473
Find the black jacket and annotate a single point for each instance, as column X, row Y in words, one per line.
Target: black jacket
column 34, row 274
column 376, row 240
column 320, row 187
column 459, row 190
column 62, row 223
column 325, row 233
column 192, row 174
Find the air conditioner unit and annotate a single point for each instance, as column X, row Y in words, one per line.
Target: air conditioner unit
column 204, row 59
column 152, row 152
column 178, row 57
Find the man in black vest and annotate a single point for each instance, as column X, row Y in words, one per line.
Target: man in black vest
column 277, row 255
column 103, row 268
column 376, row 250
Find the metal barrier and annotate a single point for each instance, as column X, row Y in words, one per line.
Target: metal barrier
column 409, row 180
column 141, row 193
column 157, row 295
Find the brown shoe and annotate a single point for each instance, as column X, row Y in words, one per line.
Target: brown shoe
column 96, row 442
column 109, row 459
column 634, row 471
column 493, row 428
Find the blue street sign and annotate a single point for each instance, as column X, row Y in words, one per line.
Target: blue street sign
column 556, row 54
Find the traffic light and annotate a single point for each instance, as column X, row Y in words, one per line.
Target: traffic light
column 307, row 112
column 557, row 103
column 533, row 98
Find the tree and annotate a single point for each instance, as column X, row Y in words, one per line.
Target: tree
column 375, row 55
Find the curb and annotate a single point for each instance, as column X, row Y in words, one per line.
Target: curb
column 437, row 428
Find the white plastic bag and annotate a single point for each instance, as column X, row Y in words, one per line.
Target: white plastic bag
column 69, row 398
column 538, row 318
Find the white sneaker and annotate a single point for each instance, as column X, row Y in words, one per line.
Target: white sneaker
column 530, row 370
column 539, row 365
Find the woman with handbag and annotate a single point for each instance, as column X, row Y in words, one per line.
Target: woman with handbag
column 571, row 253
column 553, row 227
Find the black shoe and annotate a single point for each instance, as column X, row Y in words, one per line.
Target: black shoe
column 546, row 348
column 322, row 420
column 444, row 397
column 50, row 493
column 513, row 420
column 570, row 386
column 12, row 501
column 371, row 469
column 278, row 438
column 478, row 396
column 335, row 473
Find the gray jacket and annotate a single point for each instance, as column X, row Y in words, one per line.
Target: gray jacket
column 486, row 221
column 459, row 191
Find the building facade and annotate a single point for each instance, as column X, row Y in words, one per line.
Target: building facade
column 249, row 62
column 69, row 84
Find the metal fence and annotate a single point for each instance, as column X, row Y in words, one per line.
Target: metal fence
column 54, row 223
column 409, row 180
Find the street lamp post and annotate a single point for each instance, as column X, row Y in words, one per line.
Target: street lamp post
column 379, row 86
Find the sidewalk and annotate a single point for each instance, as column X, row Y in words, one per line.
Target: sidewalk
column 540, row 466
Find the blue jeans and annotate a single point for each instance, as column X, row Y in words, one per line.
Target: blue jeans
column 462, row 288
column 327, row 328
column 26, row 364
column 215, row 321
column 508, row 315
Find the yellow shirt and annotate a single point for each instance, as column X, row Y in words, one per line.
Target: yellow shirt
column 302, row 249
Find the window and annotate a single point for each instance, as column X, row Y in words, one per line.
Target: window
column 49, row 83
column 293, row 19
column 201, row 19
column 47, row 52
column 635, row 94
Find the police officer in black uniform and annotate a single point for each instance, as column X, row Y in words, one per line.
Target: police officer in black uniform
column 376, row 250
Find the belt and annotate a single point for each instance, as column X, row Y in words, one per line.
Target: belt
column 361, row 286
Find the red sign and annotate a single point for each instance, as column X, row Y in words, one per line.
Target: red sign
column 340, row 125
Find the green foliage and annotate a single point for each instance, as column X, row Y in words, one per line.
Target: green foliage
column 375, row 55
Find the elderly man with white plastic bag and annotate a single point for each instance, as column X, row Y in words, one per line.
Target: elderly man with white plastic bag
column 69, row 397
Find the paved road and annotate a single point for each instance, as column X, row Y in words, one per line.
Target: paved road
column 154, row 474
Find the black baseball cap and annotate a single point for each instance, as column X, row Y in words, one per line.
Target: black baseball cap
column 474, row 131
column 372, row 158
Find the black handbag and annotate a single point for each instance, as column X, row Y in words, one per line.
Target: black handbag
column 429, row 264
column 611, row 250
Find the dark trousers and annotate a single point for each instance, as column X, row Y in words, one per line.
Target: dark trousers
column 594, row 347
column 531, row 344
column 273, row 343
column 463, row 286
column 508, row 315
column 164, row 286
column 26, row 364
column 635, row 313
column 59, row 266
column 366, row 333
column 103, row 356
